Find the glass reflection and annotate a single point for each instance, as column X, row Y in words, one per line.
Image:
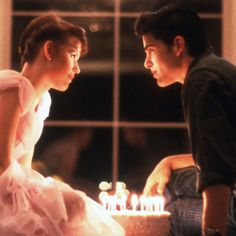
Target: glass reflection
column 80, row 157
column 141, row 149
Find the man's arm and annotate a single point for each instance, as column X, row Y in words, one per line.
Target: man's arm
column 216, row 200
column 160, row 176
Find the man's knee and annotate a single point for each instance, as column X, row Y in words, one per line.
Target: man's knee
column 183, row 183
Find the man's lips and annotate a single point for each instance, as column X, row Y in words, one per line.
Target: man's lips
column 71, row 77
column 153, row 73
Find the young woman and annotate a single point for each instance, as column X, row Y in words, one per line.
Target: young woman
column 31, row 204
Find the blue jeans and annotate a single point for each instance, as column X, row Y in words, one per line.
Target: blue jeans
column 185, row 205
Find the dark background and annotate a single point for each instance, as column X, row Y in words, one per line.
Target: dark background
column 91, row 95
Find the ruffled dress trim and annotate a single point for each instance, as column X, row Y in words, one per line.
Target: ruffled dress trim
column 32, row 205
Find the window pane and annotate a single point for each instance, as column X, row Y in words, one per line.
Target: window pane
column 143, row 100
column 214, row 33
column 18, row 25
column 80, row 156
column 152, row 5
column 89, row 97
column 141, row 149
column 68, row 5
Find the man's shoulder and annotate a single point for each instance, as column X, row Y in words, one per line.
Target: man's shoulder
column 211, row 63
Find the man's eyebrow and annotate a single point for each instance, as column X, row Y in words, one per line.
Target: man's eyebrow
column 148, row 46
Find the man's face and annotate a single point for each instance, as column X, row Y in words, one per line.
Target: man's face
column 161, row 60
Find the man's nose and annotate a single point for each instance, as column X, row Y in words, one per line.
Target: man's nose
column 147, row 63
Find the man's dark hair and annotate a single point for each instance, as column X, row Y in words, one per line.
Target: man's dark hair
column 172, row 20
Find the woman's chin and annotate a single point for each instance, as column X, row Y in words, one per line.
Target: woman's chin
column 62, row 88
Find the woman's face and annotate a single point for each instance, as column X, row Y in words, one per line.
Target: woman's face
column 65, row 64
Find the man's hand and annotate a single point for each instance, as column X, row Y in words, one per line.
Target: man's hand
column 160, row 176
column 158, row 179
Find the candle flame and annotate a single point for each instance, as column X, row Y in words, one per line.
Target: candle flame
column 119, row 201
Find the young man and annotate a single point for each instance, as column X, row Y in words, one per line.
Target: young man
column 177, row 50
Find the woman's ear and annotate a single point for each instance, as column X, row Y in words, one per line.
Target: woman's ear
column 48, row 50
column 179, row 45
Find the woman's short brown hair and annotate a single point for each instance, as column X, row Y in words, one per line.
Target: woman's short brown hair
column 48, row 27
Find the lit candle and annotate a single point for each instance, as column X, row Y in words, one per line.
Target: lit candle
column 114, row 202
column 118, row 201
column 161, row 203
column 149, row 204
column 142, row 200
column 110, row 203
column 103, row 197
column 156, row 203
column 134, row 201
column 123, row 202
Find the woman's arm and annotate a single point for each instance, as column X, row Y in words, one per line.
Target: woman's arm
column 9, row 118
column 160, row 176
column 26, row 160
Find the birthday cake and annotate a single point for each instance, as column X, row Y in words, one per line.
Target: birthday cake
column 140, row 216
column 139, row 224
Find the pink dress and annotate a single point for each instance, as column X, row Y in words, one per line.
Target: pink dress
column 32, row 205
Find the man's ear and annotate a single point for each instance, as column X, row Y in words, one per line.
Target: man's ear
column 48, row 50
column 179, row 45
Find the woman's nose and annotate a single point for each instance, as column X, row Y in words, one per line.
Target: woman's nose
column 76, row 68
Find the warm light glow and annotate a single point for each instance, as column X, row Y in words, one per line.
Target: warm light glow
column 142, row 204
column 104, row 186
column 134, row 201
column 119, row 201
column 103, row 197
column 47, row 181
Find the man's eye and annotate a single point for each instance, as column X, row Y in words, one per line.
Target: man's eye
column 150, row 51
